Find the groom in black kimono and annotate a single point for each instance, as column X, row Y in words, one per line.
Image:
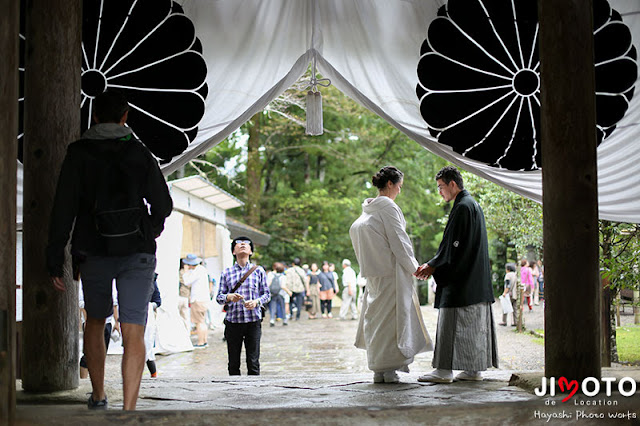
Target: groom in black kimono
column 465, row 339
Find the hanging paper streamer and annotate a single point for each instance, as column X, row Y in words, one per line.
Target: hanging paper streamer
column 314, row 113
column 314, row 103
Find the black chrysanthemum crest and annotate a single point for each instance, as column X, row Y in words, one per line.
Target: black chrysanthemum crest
column 479, row 78
column 148, row 50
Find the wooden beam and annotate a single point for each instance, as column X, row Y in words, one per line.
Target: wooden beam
column 570, row 192
column 9, row 48
column 51, row 121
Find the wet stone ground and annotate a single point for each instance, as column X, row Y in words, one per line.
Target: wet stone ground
column 310, row 366
column 326, row 346
column 316, row 358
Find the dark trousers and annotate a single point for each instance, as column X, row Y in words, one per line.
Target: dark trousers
column 250, row 334
column 297, row 299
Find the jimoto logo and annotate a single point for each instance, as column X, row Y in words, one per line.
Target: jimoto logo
column 590, row 386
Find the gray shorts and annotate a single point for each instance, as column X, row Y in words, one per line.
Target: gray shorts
column 134, row 281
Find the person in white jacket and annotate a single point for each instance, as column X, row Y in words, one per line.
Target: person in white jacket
column 197, row 278
column 349, row 281
column 391, row 328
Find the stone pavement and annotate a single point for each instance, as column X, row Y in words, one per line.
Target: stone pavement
column 312, row 374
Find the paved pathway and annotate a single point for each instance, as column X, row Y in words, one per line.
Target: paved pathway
column 326, row 346
column 312, row 374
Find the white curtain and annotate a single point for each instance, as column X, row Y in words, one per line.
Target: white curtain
column 369, row 49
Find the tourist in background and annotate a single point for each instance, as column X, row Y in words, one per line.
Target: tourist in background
column 197, row 278
column 349, row 281
column 313, row 290
column 244, row 290
column 327, row 289
column 526, row 278
column 295, row 277
column 275, row 281
column 535, row 272
column 541, row 280
column 510, row 291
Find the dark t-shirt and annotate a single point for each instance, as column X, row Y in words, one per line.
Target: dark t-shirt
column 326, row 280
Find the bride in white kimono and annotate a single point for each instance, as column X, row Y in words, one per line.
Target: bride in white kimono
column 391, row 327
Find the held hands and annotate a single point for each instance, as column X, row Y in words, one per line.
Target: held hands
column 424, row 271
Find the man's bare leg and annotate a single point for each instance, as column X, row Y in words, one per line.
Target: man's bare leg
column 95, row 354
column 132, row 363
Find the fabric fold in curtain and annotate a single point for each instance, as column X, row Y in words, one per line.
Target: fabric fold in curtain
column 254, row 50
column 370, row 50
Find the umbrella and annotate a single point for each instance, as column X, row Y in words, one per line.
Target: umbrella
column 479, row 78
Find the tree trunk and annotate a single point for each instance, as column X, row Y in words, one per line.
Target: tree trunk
column 9, row 28
column 570, row 190
column 52, row 121
column 606, row 323
column 612, row 339
column 636, row 308
column 254, row 172
column 268, row 173
column 307, row 169
column 519, row 308
column 607, row 299
column 322, row 163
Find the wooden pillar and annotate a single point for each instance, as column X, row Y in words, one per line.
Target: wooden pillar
column 51, row 121
column 570, row 197
column 9, row 29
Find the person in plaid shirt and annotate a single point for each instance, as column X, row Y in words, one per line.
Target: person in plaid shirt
column 243, row 322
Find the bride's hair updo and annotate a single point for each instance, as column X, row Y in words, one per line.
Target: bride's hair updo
column 386, row 174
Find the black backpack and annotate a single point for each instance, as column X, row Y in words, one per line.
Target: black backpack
column 118, row 208
column 275, row 287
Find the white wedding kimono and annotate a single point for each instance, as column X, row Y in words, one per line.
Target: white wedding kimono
column 391, row 327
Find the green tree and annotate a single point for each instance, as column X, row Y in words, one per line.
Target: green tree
column 513, row 221
column 311, row 188
column 619, row 260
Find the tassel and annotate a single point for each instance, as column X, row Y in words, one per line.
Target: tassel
column 314, row 113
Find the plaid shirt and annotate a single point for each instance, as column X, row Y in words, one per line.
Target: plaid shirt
column 253, row 288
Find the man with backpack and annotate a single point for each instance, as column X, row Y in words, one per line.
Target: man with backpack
column 295, row 277
column 112, row 194
column 275, row 281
